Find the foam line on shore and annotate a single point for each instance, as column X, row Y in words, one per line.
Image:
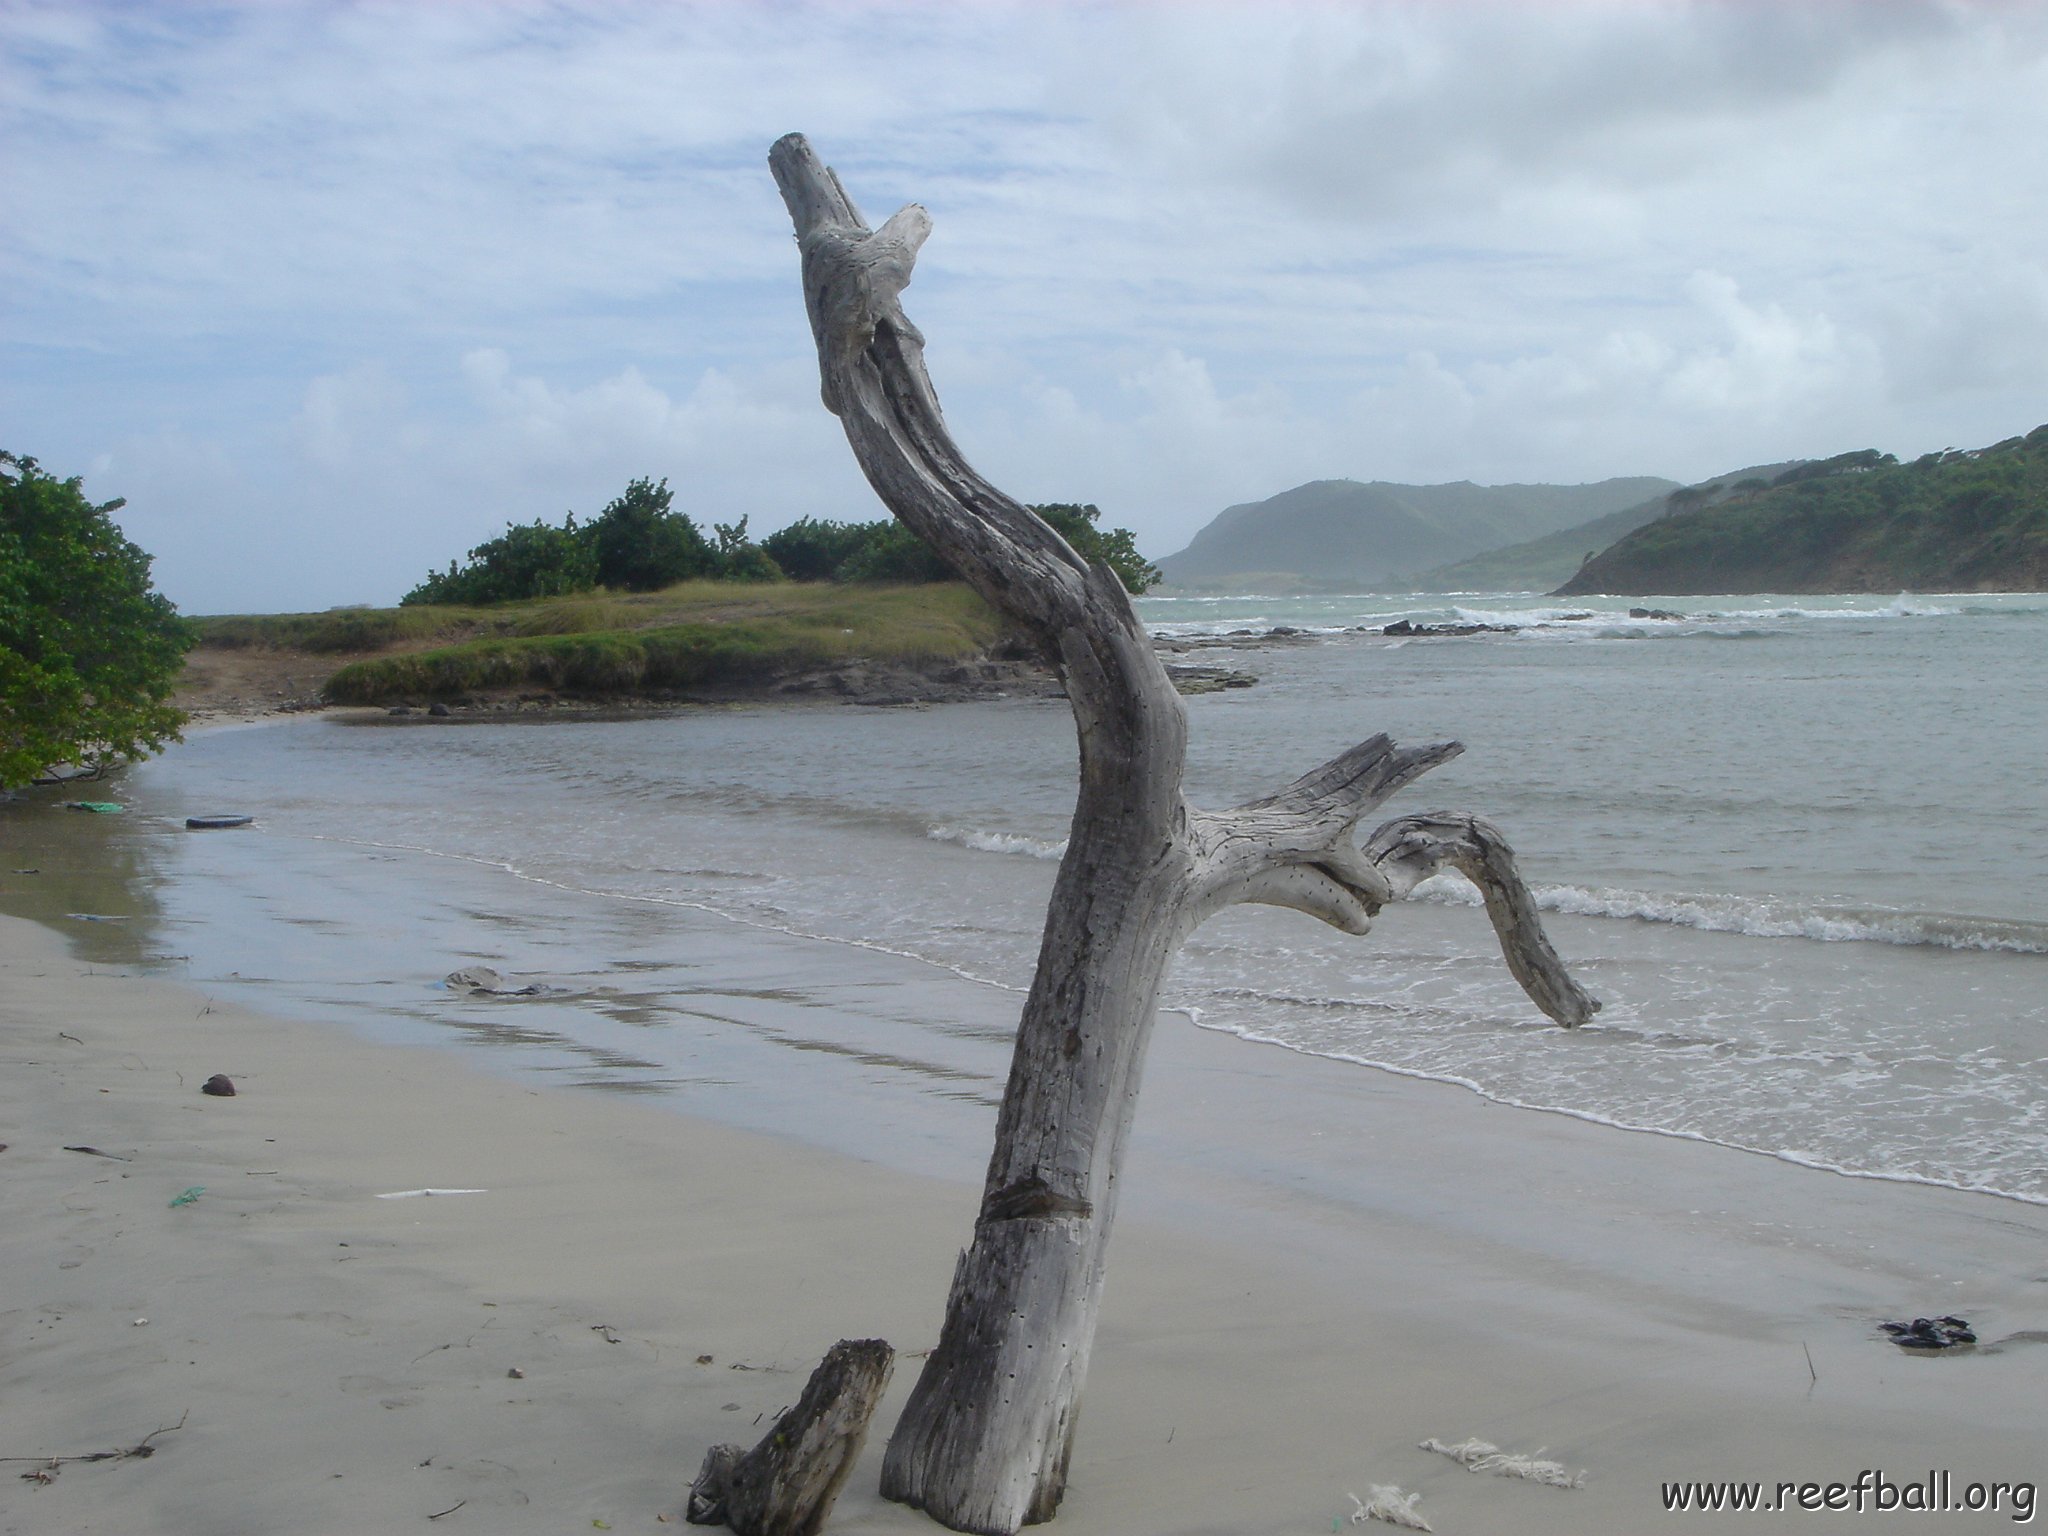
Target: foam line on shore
column 1609, row 1122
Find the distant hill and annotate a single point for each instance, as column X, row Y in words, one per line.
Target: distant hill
column 1537, row 565
column 1337, row 534
column 1973, row 520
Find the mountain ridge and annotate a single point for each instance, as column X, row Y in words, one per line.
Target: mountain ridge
column 1539, row 564
column 1331, row 534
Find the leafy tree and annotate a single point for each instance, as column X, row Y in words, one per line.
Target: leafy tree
column 1117, row 549
column 815, row 550
column 732, row 538
column 527, row 560
column 89, row 650
column 891, row 552
column 812, row 549
column 638, row 543
column 740, row 558
column 643, row 544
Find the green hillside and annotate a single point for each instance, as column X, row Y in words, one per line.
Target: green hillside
column 1972, row 520
column 1537, row 565
column 1336, row 535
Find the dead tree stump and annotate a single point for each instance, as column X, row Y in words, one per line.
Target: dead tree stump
column 786, row 1485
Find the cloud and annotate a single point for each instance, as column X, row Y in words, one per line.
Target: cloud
column 1394, row 110
column 344, row 288
column 360, row 487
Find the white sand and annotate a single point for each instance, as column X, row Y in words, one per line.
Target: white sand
column 1351, row 1264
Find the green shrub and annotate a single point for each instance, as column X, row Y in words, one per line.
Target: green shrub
column 813, row 550
column 89, row 649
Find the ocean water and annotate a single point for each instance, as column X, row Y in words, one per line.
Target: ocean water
column 1798, row 847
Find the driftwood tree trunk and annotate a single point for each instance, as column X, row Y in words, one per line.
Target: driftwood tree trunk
column 983, row 1442
column 786, row 1485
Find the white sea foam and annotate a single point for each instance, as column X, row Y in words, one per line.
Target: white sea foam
column 1760, row 917
column 1526, row 616
column 1799, row 1157
column 998, row 842
column 1905, row 606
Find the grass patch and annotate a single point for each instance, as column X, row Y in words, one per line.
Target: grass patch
column 339, row 631
column 695, row 635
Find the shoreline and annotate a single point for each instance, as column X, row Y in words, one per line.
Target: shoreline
column 1314, row 1270
column 241, row 683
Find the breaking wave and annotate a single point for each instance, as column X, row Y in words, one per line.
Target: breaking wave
column 998, row 842
column 1761, row 917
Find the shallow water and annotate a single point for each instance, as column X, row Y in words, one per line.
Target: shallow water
column 1796, row 846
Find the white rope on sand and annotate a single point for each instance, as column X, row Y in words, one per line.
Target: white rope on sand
column 1390, row 1504
column 1478, row 1456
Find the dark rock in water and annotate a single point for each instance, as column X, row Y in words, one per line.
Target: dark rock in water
column 1653, row 613
column 1404, row 627
column 439, row 710
column 1930, row 1333
column 219, row 1086
column 481, row 980
column 1189, row 679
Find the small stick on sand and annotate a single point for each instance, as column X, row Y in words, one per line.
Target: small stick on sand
column 135, row 1452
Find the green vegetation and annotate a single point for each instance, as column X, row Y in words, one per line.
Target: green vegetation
column 530, row 560
column 89, row 650
column 339, row 631
column 810, row 550
column 699, row 634
column 638, row 601
column 640, row 543
column 1860, row 522
column 1117, row 549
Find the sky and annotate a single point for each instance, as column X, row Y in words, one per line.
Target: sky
column 331, row 292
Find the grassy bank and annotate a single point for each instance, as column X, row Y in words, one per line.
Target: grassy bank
column 700, row 634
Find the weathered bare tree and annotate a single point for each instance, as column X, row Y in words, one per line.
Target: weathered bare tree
column 984, row 1440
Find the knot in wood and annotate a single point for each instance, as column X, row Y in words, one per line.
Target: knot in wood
column 1031, row 1197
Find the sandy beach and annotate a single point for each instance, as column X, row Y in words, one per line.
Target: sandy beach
column 1314, row 1271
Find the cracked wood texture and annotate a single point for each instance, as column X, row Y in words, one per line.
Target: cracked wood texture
column 984, row 1440
column 786, row 1485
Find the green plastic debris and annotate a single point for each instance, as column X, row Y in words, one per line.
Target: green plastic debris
column 189, row 1196
column 103, row 807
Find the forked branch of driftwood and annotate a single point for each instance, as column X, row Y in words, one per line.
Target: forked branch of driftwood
column 984, row 1440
